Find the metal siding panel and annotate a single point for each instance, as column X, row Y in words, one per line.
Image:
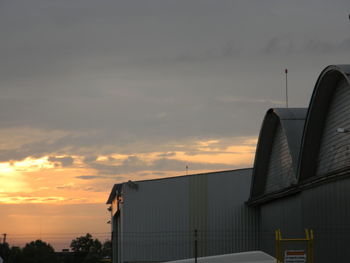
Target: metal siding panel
column 281, row 214
column 280, row 172
column 157, row 224
column 156, row 220
column 231, row 224
column 198, row 210
column 334, row 149
column 325, row 209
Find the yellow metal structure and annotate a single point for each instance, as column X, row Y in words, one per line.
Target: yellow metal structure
column 308, row 240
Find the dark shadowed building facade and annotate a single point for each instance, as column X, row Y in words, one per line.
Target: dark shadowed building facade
column 301, row 179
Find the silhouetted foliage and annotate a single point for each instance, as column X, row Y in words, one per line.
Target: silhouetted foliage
column 5, row 251
column 38, row 252
column 107, row 249
column 15, row 255
column 86, row 249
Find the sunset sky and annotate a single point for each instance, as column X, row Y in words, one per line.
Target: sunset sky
column 95, row 93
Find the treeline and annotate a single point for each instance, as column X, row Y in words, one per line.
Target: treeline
column 84, row 249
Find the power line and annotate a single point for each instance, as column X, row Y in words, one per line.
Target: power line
column 66, row 233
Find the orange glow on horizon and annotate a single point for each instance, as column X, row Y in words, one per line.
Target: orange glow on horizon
column 53, row 196
column 46, row 180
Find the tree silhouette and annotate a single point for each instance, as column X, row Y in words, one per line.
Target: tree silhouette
column 38, row 252
column 15, row 255
column 107, row 249
column 86, row 249
column 4, row 251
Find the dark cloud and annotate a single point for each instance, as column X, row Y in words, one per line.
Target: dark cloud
column 90, row 159
column 87, row 177
column 63, row 161
column 168, row 154
column 153, row 174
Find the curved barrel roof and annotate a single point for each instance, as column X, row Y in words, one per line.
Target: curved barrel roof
column 316, row 117
column 289, row 123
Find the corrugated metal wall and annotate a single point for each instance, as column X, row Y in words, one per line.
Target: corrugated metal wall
column 198, row 209
column 280, row 172
column 325, row 209
column 155, row 221
column 232, row 226
column 281, row 214
column 159, row 217
column 335, row 149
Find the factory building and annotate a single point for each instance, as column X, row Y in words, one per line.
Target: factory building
column 155, row 220
column 301, row 178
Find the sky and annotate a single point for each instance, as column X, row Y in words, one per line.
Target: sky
column 95, row 93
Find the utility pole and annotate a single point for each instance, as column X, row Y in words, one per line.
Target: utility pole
column 286, row 72
column 4, row 238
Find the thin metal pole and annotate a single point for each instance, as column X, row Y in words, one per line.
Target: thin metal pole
column 286, row 71
column 195, row 246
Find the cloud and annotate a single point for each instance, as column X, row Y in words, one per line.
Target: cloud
column 230, row 99
column 167, row 154
column 287, row 45
column 61, row 143
column 152, row 174
column 17, row 198
column 68, row 186
column 227, row 50
column 87, row 177
column 134, row 164
column 62, row 161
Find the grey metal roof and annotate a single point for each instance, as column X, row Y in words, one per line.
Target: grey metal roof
column 117, row 187
column 316, row 116
column 292, row 122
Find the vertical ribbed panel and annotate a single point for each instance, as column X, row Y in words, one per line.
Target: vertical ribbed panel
column 159, row 217
column 280, row 172
column 232, row 226
column 334, row 151
column 156, row 221
column 198, row 209
column 284, row 214
column 325, row 209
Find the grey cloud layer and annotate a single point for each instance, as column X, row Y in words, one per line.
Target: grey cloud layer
column 126, row 72
column 134, row 164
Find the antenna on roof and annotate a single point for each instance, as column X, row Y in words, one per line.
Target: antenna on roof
column 286, row 72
